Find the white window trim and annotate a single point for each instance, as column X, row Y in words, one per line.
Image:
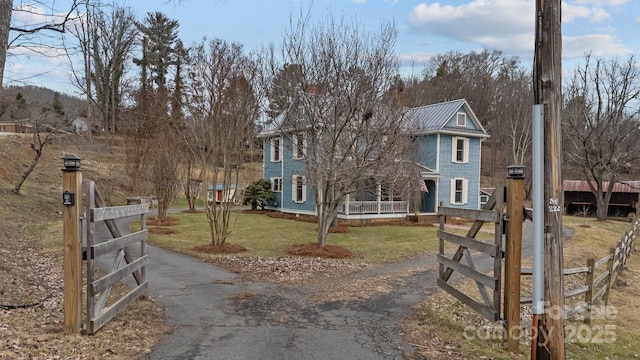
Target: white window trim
column 464, row 119
column 294, row 189
column 295, row 146
column 273, row 147
column 465, row 191
column 454, row 150
column 276, row 184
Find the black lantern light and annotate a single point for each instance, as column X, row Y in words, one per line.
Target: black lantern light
column 515, row 171
column 71, row 163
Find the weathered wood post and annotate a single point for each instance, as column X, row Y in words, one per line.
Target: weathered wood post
column 513, row 256
column 547, row 88
column 72, row 234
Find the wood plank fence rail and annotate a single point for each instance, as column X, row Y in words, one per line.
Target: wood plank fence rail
column 599, row 279
column 489, row 306
column 99, row 288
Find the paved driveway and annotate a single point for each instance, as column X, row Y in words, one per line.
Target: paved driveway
column 218, row 315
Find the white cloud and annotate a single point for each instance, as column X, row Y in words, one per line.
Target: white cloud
column 573, row 12
column 602, row 2
column 359, row 1
column 597, row 44
column 495, row 24
column 638, row 20
column 417, row 58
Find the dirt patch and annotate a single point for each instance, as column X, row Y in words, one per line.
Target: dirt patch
column 340, row 229
column 288, row 271
column 195, row 211
column 325, row 252
column 225, row 248
column 168, row 221
column 161, row 230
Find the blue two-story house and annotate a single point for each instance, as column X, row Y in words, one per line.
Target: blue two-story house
column 448, row 136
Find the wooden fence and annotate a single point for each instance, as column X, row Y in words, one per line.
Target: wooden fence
column 489, row 306
column 599, row 279
column 98, row 289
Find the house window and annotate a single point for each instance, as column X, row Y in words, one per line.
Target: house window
column 461, row 119
column 276, row 149
column 459, row 190
column 460, row 150
column 276, row 184
column 2, row 129
column 483, row 200
column 299, row 189
column 299, row 146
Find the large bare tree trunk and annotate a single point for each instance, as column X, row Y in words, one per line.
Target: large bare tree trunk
column 5, row 24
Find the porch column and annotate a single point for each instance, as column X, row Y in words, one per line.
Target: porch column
column 409, row 198
column 379, row 197
column 346, row 205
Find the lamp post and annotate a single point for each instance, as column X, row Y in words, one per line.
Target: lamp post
column 513, row 254
column 71, row 207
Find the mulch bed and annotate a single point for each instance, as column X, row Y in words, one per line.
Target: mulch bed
column 314, row 250
column 195, row 211
column 168, row 221
column 161, row 230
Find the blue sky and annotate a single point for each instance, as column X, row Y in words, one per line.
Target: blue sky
column 604, row 27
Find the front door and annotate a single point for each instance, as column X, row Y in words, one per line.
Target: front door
column 428, row 201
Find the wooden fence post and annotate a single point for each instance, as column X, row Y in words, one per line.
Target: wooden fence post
column 72, row 236
column 611, row 269
column 588, row 296
column 513, row 259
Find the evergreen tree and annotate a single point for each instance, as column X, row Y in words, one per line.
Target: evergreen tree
column 161, row 35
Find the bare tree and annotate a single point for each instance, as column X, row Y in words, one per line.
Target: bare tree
column 348, row 128
column 45, row 128
column 165, row 174
column 30, row 35
column 222, row 104
column 106, row 39
column 601, row 120
column 494, row 85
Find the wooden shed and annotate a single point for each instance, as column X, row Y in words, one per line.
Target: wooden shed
column 578, row 197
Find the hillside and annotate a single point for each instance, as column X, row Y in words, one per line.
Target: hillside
column 31, row 315
column 33, row 99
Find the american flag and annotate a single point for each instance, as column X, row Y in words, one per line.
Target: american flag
column 423, row 186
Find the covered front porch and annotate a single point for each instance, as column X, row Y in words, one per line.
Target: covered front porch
column 390, row 200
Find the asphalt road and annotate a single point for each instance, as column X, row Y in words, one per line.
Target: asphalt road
column 218, row 315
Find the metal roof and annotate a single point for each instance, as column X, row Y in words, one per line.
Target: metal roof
column 434, row 117
column 619, row 187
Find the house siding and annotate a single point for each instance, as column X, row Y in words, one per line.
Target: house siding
column 290, row 168
column 452, row 123
column 426, row 155
column 469, row 171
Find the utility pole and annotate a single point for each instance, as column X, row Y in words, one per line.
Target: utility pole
column 547, row 77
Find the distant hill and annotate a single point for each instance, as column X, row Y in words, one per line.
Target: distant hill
column 23, row 102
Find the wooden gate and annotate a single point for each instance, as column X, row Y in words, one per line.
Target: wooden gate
column 489, row 306
column 123, row 246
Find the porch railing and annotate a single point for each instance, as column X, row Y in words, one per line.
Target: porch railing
column 374, row 207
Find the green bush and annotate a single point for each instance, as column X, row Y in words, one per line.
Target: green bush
column 259, row 193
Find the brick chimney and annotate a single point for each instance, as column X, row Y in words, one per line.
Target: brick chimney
column 396, row 93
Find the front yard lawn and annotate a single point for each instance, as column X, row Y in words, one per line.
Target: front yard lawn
column 267, row 236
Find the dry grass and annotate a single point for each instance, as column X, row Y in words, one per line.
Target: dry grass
column 31, row 309
column 440, row 322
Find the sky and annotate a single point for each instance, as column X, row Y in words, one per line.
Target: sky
column 604, row 28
